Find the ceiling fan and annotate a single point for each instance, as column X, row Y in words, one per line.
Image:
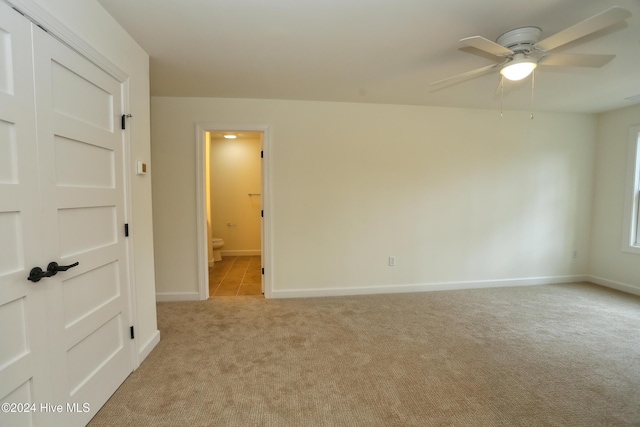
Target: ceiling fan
column 520, row 51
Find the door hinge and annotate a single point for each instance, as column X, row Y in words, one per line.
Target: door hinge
column 262, row 214
column 263, row 270
column 261, row 154
column 126, row 230
column 124, row 120
column 131, row 331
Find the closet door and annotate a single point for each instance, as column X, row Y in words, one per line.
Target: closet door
column 81, row 156
column 64, row 339
column 24, row 365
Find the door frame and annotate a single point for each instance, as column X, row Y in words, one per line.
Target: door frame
column 41, row 17
column 201, row 206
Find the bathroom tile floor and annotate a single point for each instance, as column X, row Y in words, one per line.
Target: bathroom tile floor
column 236, row 276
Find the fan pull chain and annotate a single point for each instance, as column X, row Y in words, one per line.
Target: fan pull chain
column 501, row 93
column 533, row 78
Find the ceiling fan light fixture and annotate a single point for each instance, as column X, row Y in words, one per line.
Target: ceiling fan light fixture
column 518, row 69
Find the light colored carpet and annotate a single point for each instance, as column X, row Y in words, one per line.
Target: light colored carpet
column 565, row 355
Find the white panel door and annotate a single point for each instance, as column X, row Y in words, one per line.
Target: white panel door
column 24, row 365
column 64, row 339
column 80, row 151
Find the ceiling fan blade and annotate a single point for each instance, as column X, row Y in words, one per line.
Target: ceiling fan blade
column 590, row 25
column 486, row 45
column 464, row 76
column 576, row 60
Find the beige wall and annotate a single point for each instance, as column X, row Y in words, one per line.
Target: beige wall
column 608, row 262
column 457, row 195
column 235, row 172
column 88, row 20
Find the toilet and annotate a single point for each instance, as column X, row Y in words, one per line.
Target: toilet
column 217, row 243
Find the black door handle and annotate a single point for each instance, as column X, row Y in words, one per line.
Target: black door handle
column 53, row 267
column 37, row 273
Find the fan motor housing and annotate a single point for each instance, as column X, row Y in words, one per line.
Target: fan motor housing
column 520, row 39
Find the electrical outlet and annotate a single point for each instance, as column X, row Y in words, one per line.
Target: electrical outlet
column 392, row 261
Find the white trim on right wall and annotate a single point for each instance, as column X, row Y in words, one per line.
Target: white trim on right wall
column 428, row 287
column 614, row 285
column 630, row 237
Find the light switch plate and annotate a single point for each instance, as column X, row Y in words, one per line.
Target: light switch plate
column 141, row 168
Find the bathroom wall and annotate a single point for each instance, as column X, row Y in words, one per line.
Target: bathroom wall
column 461, row 197
column 235, row 171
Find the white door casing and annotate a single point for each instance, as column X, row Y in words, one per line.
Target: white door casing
column 201, row 201
column 74, row 349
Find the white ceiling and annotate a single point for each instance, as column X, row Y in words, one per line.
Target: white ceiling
column 377, row 51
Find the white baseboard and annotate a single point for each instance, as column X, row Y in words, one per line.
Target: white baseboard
column 241, row 252
column 624, row 287
column 177, row 296
column 146, row 348
column 425, row 287
column 420, row 287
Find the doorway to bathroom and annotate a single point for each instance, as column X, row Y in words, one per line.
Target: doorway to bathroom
column 233, row 199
